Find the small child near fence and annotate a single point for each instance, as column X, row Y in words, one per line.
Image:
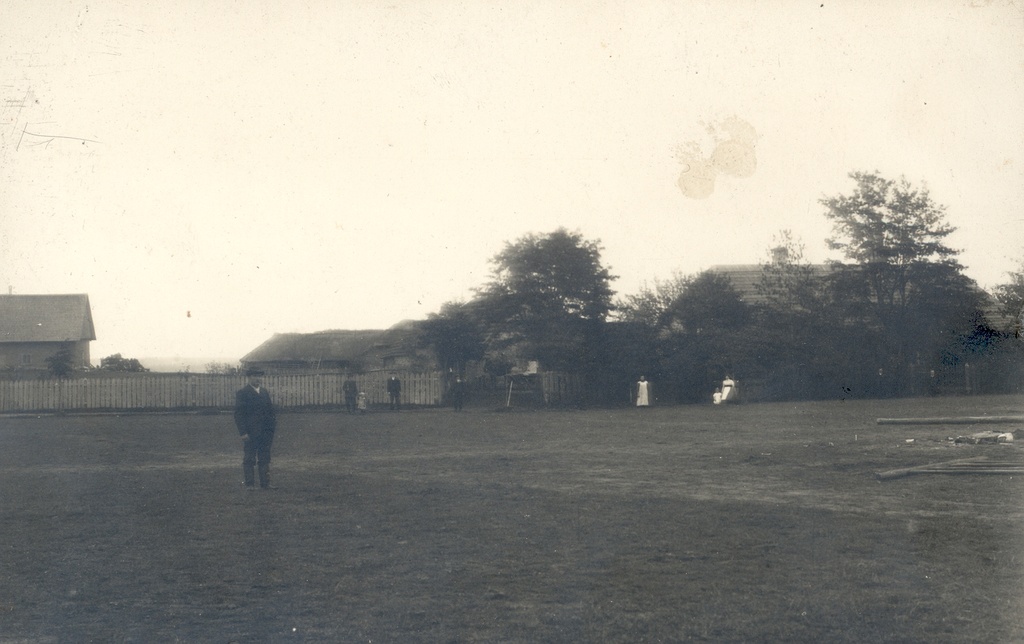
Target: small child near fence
column 361, row 402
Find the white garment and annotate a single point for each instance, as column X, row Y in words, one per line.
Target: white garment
column 642, row 397
column 729, row 393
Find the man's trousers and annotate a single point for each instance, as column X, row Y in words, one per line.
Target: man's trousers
column 257, row 454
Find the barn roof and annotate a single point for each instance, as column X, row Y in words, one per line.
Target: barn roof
column 46, row 318
column 746, row 277
column 306, row 347
column 337, row 345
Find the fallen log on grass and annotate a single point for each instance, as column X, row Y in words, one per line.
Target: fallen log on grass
column 978, row 465
column 952, row 420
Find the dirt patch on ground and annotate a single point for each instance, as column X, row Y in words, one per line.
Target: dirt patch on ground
column 694, row 523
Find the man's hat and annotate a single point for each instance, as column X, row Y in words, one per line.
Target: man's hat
column 253, row 371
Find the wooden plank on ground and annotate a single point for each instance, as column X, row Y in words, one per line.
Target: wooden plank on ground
column 952, row 420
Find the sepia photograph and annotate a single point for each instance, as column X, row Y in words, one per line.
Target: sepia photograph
column 512, row 321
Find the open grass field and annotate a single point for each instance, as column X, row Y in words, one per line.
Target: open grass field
column 754, row 523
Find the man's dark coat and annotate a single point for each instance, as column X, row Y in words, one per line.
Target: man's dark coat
column 254, row 413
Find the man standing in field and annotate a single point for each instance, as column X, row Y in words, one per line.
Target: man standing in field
column 256, row 423
column 394, row 391
column 458, row 393
column 351, row 391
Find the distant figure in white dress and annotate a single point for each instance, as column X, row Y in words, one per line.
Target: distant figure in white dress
column 730, row 393
column 716, row 397
column 643, row 392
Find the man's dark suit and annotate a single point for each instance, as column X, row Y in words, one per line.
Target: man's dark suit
column 254, row 416
column 394, row 391
column 351, row 391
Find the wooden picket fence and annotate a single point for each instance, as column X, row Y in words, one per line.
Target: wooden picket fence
column 206, row 391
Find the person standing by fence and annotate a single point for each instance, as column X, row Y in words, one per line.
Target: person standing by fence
column 256, row 422
column 351, row 391
column 394, row 392
column 458, row 393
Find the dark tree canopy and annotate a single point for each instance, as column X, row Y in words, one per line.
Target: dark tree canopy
column 648, row 307
column 894, row 233
column 895, row 316
column 61, row 364
column 1010, row 295
column 888, row 221
column 548, row 296
column 709, row 301
column 702, row 336
column 803, row 344
column 456, row 334
column 902, row 280
column 790, row 286
column 555, row 274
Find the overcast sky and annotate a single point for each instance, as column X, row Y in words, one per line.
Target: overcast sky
column 211, row 173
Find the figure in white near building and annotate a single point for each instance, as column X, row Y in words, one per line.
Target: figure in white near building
column 643, row 392
column 716, row 397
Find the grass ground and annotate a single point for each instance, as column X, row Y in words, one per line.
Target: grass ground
column 754, row 523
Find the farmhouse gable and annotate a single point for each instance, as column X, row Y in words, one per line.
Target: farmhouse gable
column 35, row 327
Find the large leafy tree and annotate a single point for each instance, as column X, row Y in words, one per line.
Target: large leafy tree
column 547, row 299
column 709, row 303
column 456, row 334
column 790, row 286
column 894, row 233
column 649, row 305
column 804, row 346
column 634, row 343
column 688, row 331
column 901, row 278
column 703, row 336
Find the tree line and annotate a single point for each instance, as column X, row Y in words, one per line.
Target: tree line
column 896, row 316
